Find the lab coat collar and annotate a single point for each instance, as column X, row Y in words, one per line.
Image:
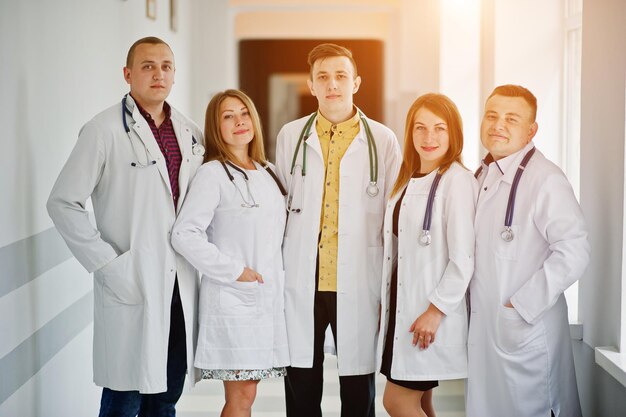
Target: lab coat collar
column 421, row 185
column 361, row 135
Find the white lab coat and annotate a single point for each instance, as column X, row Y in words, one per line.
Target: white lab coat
column 242, row 324
column 520, row 360
column 360, row 254
column 438, row 274
column 129, row 251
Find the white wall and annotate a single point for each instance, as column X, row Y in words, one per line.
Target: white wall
column 602, row 192
column 214, row 58
column 61, row 64
column 602, row 167
column 528, row 50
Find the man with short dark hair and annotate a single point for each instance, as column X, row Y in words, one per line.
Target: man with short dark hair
column 135, row 160
column 339, row 167
column 531, row 245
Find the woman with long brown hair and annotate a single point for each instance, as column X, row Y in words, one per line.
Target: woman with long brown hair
column 230, row 228
column 429, row 260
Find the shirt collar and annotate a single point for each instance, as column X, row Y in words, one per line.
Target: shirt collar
column 325, row 126
column 166, row 108
column 504, row 164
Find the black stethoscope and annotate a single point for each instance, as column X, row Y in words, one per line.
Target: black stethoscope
column 371, row 189
column 248, row 202
column 196, row 148
column 507, row 234
column 425, row 238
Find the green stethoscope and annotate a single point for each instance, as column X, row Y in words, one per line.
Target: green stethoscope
column 371, row 189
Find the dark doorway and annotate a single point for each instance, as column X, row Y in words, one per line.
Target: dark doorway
column 284, row 63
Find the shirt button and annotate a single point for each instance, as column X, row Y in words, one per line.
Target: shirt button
column 485, row 188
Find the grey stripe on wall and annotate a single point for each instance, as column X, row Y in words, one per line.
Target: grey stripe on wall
column 23, row 362
column 26, row 259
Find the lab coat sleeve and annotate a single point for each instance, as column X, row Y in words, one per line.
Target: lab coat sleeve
column 66, row 204
column 459, row 209
column 559, row 219
column 393, row 159
column 189, row 236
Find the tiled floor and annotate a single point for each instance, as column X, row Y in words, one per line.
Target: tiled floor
column 207, row 397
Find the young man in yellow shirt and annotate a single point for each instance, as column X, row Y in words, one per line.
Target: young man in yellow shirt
column 339, row 168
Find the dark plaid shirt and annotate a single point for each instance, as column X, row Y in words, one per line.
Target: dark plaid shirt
column 166, row 138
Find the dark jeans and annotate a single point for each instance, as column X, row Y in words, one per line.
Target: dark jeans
column 132, row 403
column 303, row 386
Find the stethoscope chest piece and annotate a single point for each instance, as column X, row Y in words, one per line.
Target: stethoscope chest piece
column 197, row 149
column 507, row 234
column 425, row 238
column 372, row 189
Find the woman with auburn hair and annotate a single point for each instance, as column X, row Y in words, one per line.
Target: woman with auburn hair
column 429, row 260
column 230, row 228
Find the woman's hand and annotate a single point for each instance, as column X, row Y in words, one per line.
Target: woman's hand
column 425, row 327
column 250, row 275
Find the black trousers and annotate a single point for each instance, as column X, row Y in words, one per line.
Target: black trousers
column 303, row 386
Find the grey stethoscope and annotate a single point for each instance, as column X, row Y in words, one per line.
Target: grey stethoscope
column 196, row 148
column 507, row 234
column 372, row 188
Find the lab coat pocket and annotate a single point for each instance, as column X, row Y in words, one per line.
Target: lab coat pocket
column 239, row 298
column 266, row 296
column 119, row 280
column 514, row 334
column 453, row 329
column 503, row 249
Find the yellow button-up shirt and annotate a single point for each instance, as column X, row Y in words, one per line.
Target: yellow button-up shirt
column 334, row 141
